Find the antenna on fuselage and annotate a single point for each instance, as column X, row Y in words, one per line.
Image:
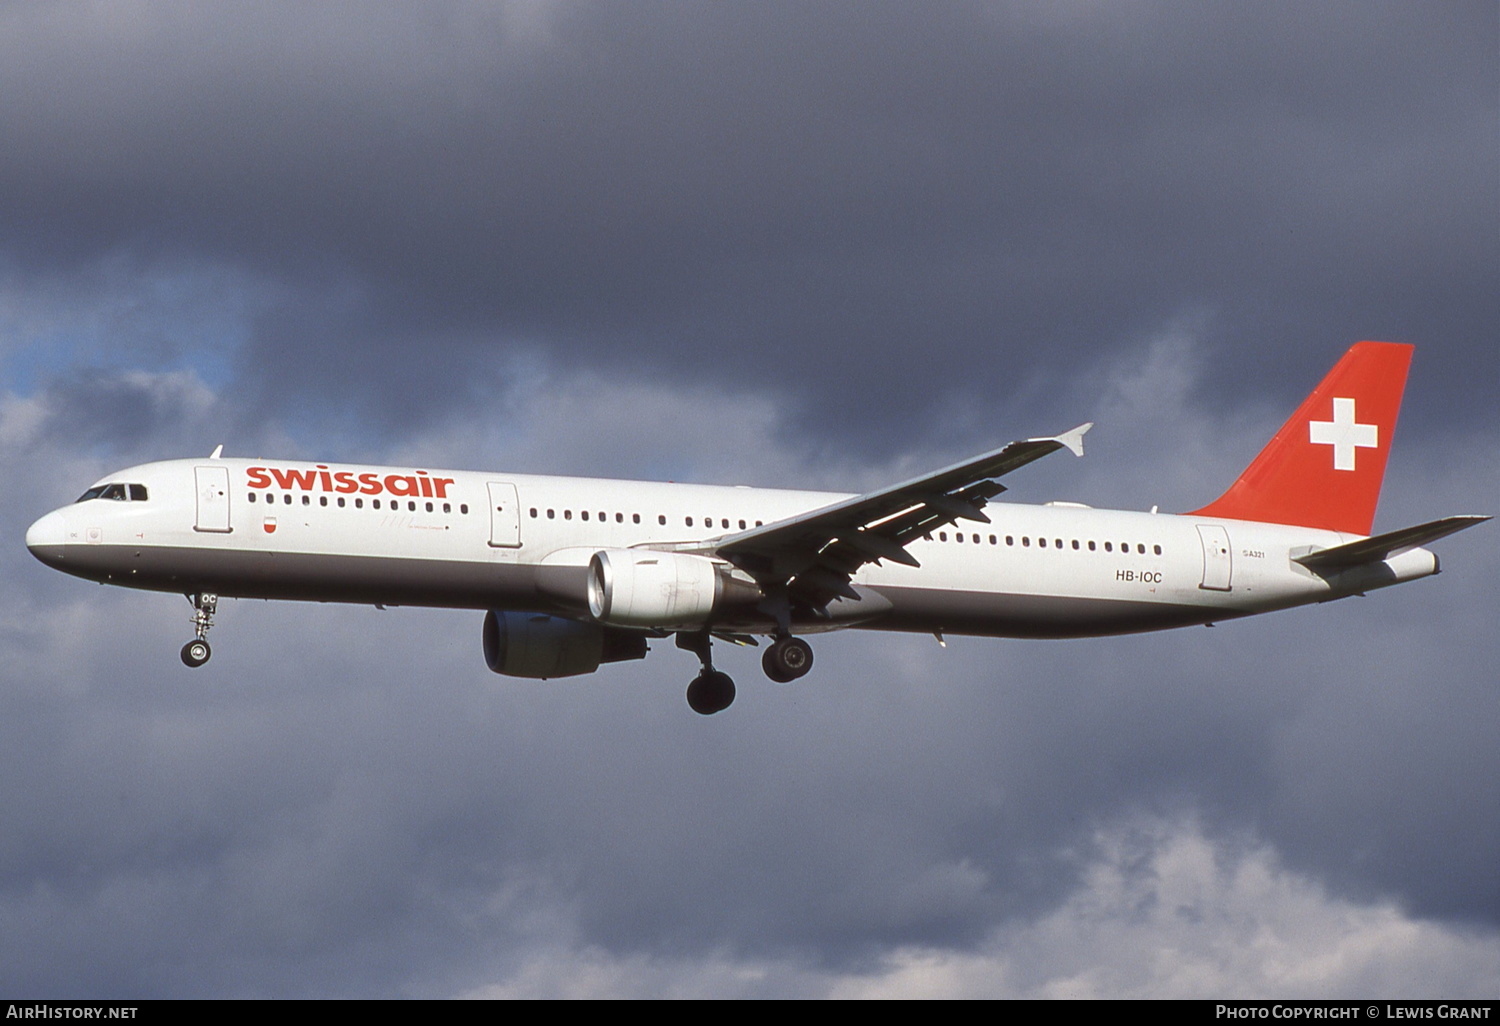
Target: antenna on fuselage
column 217, row 450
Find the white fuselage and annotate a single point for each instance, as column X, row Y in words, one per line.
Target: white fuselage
column 397, row 536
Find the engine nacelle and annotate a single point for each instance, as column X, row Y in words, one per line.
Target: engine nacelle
column 540, row 646
column 645, row 588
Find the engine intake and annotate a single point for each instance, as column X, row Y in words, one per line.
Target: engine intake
column 645, row 588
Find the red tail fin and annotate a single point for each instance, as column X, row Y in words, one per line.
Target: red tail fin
column 1324, row 467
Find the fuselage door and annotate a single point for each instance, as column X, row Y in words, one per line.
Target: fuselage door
column 1218, row 564
column 505, row 516
column 213, row 499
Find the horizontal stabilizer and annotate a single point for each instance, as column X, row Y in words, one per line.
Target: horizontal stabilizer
column 1383, row 546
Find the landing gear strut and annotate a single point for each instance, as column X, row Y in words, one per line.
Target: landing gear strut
column 711, row 691
column 196, row 652
column 787, row 659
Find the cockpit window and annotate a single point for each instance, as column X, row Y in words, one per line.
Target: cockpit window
column 118, row 492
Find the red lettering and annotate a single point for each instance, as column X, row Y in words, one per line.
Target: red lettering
column 346, row 482
column 327, row 484
column 398, row 485
column 370, row 484
column 257, row 477
column 426, row 483
column 441, row 484
column 288, row 479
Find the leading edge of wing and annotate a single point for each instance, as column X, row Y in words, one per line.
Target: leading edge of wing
column 952, row 493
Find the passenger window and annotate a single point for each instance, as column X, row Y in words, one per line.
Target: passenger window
column 1041, row 543
column 322, row 500
column 307, row 500
column 359, row 503
column 942, row 536
column 1108, row 547
column 375, row 503
column 1025, row 542
column 567, row 514
column 252, row 496
column 619, row 518
column 448, row 508
column 661, row 518
column 429, row 507
column 635, row 518
column 1075, row 544
column 689, row 521
column 533, row 510
column 1140, row 549
column 1156, row 549
column 552, row 514
column 1010, row 539
column 1091, row 547
column 341, row 502
column 463, row 507
column 287, row 498
column 584, row 514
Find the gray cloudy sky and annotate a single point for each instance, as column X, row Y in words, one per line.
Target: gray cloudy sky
column 825, row 244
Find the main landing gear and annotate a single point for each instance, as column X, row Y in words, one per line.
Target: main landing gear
column 713, row 691
column 787, row 659
column 196, row 652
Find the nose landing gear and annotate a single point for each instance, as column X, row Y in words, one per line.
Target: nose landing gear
column 197, row 652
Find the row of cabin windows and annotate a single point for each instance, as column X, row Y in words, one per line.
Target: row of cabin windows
column 1042, row 543
column 635, row 518
column 394, row 504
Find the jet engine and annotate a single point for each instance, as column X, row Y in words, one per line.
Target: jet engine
column 540, row 646
column 646, row 588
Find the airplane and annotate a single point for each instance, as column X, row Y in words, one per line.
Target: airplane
column 572, row 573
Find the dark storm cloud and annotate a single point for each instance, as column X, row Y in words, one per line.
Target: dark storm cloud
column 879, row 207
column 736, row 243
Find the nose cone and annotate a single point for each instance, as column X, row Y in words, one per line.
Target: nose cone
column 45, row 538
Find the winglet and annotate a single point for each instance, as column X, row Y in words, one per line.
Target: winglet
column 1070, row 440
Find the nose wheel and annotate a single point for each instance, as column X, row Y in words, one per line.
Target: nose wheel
column 196, row 652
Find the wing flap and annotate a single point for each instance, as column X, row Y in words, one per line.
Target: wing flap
column 817, row 553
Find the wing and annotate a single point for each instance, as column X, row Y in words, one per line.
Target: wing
column 816, row 554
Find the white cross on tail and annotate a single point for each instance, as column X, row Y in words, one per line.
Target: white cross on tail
column 1344, row 433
